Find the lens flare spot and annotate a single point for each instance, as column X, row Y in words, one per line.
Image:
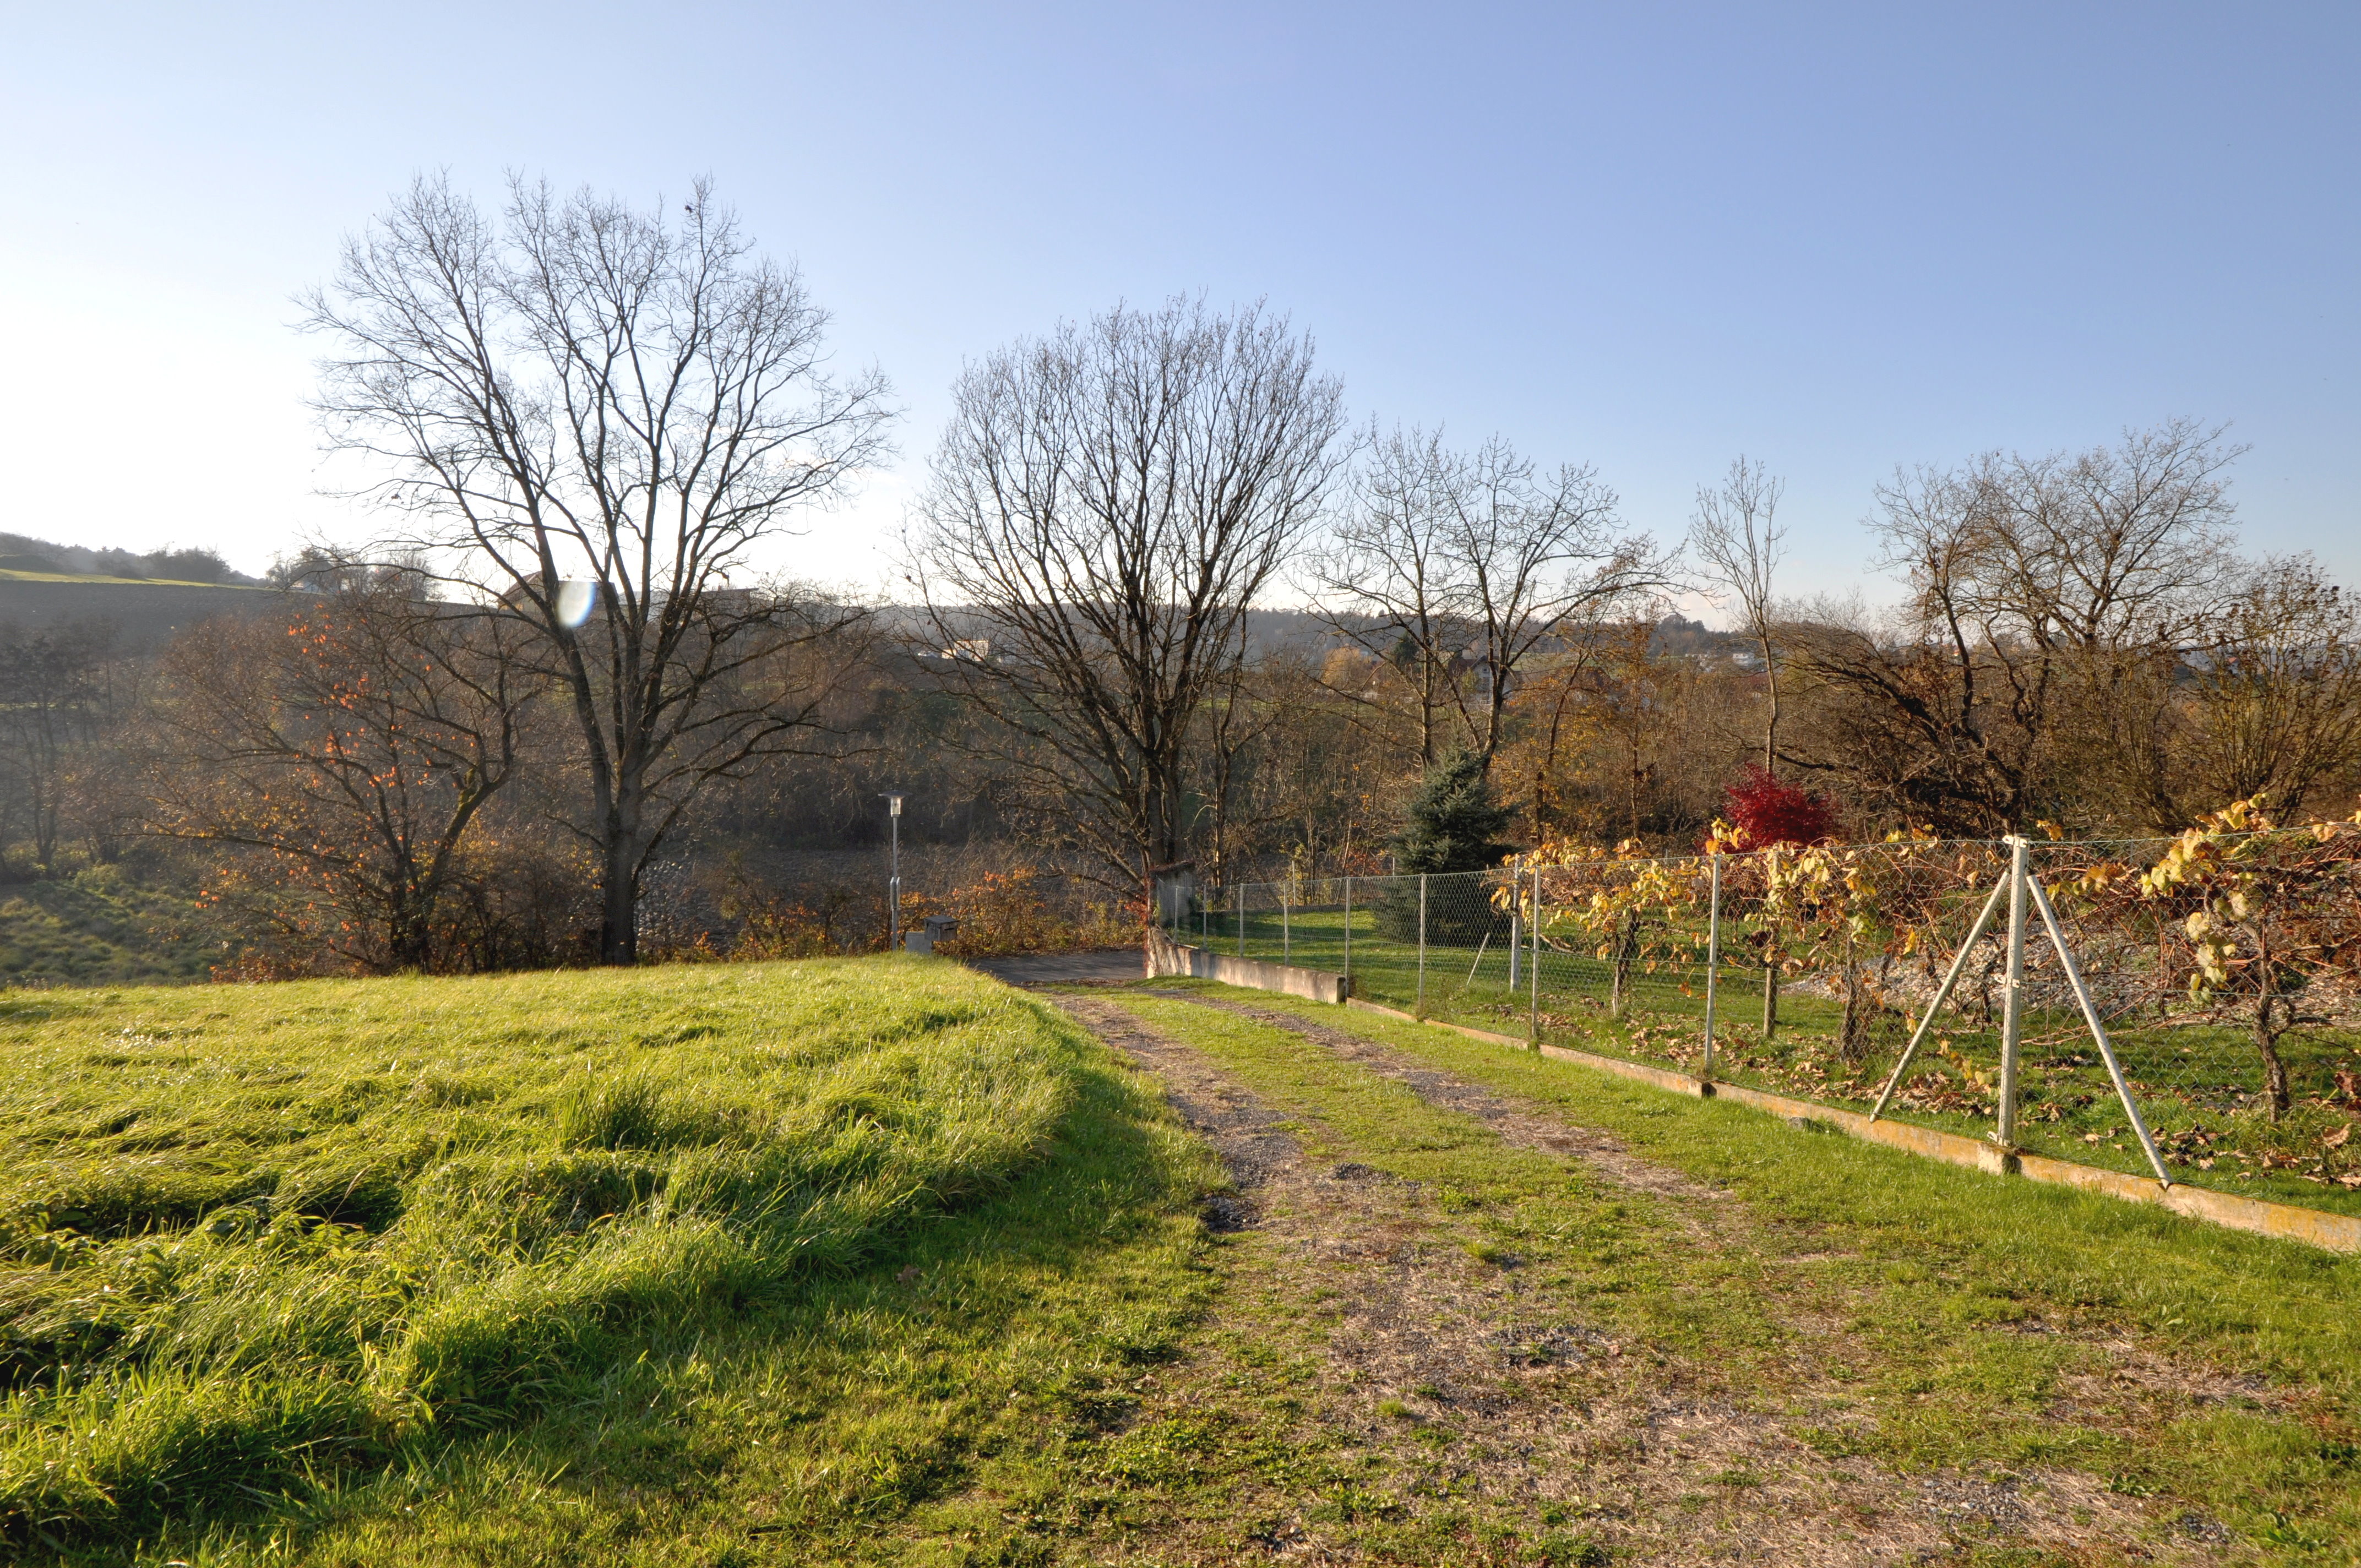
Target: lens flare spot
column 576, row 601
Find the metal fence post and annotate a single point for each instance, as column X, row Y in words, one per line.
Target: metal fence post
column 2011, row 1027
column 1533, row 966
column 1242, row 920
column 1286, row 920
column 1712, row 960
column 1419, row 1007
column 1348, row 933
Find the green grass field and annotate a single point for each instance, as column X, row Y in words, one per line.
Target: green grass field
column 104, row 926
column 879, row 1261
column 2197, row 1086
column 567, row 1267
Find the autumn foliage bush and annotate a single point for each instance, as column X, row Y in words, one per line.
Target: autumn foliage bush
column 1001, row 912
column 1007, row 913
column 1768, row 811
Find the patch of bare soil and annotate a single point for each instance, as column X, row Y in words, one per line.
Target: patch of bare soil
column 1106, row 966
column 1450, row 1389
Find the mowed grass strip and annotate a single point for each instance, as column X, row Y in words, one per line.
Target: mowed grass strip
column 1975, row 1322
column 567, row 1267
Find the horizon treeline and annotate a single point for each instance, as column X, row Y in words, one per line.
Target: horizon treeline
column 557, row 714
column 364, row 775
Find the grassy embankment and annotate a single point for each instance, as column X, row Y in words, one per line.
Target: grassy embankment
column 104, row 926
column 2197, row 1084
column 662, row 1266
column 99, row 579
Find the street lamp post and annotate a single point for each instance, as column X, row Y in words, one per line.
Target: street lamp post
column 894, row 886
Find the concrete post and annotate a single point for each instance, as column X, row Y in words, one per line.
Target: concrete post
column 2012, row 1026
column 1348, row 929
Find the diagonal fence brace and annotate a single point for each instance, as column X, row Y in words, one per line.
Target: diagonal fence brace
column 2098, row 1030
column 1942, row 994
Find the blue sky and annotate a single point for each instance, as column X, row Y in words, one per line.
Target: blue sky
column 1836, row 239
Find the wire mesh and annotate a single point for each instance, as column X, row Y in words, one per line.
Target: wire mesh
column 2222, row 974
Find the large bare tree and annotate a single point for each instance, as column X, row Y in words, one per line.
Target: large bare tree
column 598, row 415
column 53, row 706
column 2042, row 589
column 1736, row 533
column 1108, row 502
column 1455, row 568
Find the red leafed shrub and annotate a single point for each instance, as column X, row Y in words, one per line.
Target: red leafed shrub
column 1769, row 812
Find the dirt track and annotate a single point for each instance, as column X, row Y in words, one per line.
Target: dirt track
column 1468, row 1378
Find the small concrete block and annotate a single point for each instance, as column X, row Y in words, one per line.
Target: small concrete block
column 1997, row 1161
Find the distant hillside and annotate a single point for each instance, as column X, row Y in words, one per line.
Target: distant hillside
column 22, row 554
column 104, row 926
column 145, row 615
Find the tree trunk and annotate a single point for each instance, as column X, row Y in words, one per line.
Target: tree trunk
column 619, row 930
column 1625, row 941
column 410, row 939
column 618, row 889
column 1852, row 1032
column 2275, row 1078
column 1426, row 705
column 2272, row 1021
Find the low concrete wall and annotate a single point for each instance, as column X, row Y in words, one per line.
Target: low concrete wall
column 1166, row 957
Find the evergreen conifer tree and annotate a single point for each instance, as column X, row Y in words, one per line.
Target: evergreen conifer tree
column 1453, row 825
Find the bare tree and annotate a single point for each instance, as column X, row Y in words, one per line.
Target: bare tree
column 52, row 709
column 1105, row 506
column 1281, row 769
column 1736, row 533
column 2262, row 701
column 1387, row 581
column 2279, row 698
column 2042, row 590
column 2108, row 549
column 599, row 416
column 356, row 744
column 1456, row 569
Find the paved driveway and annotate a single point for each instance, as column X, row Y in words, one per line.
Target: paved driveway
column 1066, row 968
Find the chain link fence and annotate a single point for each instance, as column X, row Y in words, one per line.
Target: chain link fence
column 2196, row 1015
